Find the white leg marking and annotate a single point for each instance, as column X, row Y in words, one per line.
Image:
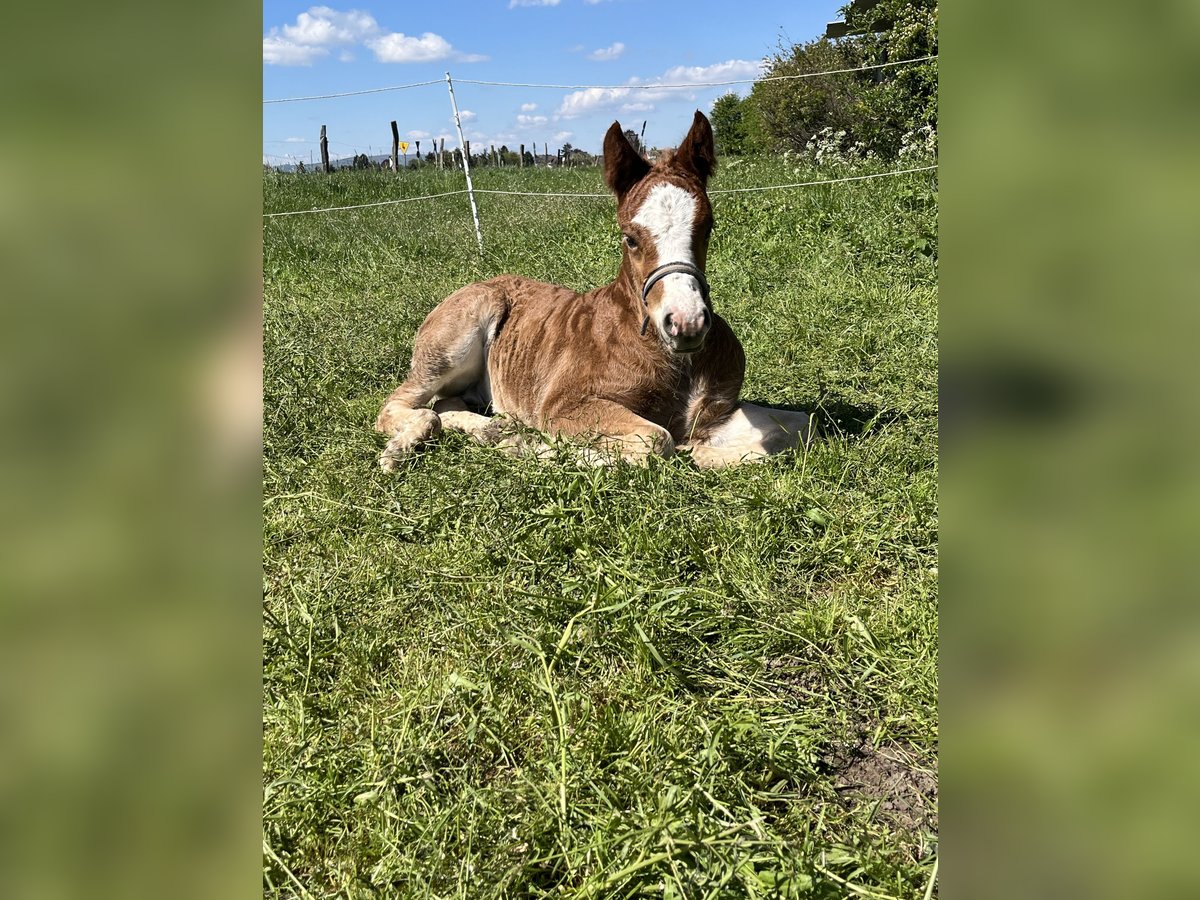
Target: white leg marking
column 417, row 427
column 485, row 429
column 752, row 433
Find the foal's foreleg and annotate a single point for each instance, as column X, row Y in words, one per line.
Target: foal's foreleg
column 457, row 416
column 617, row 431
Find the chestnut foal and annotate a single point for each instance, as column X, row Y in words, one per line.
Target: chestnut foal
column 640, row 366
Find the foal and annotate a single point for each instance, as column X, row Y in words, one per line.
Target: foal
column 640, row 366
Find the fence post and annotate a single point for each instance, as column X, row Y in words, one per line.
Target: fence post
column 522, row 156
column 466, row 163
column 395, row 146
column 324, row 150
column 417, row 160
column 441, row 153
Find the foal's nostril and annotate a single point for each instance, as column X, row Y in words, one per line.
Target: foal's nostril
column 669, row 322
column 707, row 318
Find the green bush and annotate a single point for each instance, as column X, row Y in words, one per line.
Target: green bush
column 792, row 112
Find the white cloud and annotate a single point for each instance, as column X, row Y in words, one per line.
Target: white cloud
column 606, row 53
column 641, row 94
column 563, row 135
column 513, row 3
column 429, row 47
column 637, row 107
column 731, row 70
column 465, row 115
column 296, row 140
column 321, row 28
column 313, row 33
column 528, row 107
column 418, row 135
column 589, row 100
column 532, row 120
column 279, row 51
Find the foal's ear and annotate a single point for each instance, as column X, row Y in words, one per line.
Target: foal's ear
column 623, row 166
column 696, row 152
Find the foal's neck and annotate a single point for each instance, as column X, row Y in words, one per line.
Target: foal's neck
column 625, row 287
column 623, row 291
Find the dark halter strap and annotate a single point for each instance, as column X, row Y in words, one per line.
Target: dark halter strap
column 671, row 268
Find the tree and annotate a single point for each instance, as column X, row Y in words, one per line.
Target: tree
column 632, row 137
column 730, row 127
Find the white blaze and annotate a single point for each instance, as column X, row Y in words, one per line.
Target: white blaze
column 669, row 215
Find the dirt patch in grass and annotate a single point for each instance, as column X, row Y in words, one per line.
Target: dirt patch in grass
column 905, row 791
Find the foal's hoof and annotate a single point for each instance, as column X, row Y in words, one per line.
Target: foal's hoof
column 419, row 426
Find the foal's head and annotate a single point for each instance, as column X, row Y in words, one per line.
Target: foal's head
column 665, row 217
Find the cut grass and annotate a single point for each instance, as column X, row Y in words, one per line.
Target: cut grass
column 490, row 677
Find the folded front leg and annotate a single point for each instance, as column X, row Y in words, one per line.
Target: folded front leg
column 616, row 431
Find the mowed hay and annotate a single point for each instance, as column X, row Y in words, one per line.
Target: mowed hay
column 494, row 677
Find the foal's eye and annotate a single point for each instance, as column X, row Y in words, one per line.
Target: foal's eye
column 630, row 242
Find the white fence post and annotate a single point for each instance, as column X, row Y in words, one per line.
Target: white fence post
column 466, row 164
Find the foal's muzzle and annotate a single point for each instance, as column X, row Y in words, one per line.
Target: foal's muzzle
column 684, row 326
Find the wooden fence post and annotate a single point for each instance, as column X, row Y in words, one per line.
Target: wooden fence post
column 324, row 150
column 522, row 164
column 418, row 159
column 441, row 152
column 395, row 146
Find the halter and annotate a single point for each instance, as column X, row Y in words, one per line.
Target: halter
column 671, row 268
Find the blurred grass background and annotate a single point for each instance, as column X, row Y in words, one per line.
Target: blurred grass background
column 1069, row 485
column 130, row 396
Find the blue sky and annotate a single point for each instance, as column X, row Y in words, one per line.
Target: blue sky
column 329, row 49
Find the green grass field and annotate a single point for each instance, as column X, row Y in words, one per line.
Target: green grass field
column 493, row 677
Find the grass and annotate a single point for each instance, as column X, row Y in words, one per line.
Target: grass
column 490, row 677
